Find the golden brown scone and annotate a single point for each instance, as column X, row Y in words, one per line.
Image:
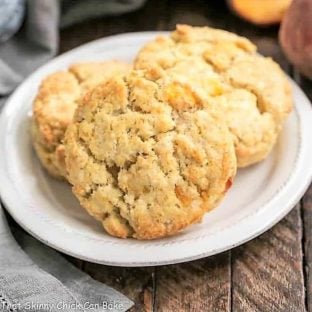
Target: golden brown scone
column 55, row 104
column 255, row 94
column 146, row 157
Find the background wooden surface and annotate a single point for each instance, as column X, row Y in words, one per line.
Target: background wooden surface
column 270, row 273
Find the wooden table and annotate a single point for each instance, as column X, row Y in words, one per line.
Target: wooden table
column 270, row 273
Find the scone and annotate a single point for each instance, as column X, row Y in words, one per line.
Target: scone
column 254, row 93
column 55, row 104
column 145, row 157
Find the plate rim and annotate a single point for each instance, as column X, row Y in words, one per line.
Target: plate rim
column 7, row 200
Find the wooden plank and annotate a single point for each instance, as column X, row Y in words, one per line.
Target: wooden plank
column 273, row 261
column 306, row 85
column 150, row 17
column 307, row 219
column 202, row 285
column 188, row 12
column 267, row 272
column 136, row 283
column 76, row 262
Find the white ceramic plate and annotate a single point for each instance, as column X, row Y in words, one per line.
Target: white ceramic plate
column 260, row 196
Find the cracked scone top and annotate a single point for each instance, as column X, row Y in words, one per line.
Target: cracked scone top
column 253, row 92
column 55, row 104
column 144, row 156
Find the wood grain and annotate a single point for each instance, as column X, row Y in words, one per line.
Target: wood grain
column 307, row 214
column 267, row 272
column 135, row 283
column 307, row 218
column 150, row 17
column 202, row 285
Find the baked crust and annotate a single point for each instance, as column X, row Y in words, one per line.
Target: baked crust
column 146, row 156
column 254, row 93
column 55, row 104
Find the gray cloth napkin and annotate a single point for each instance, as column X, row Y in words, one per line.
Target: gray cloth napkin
column 33, row 277
column 37, row 41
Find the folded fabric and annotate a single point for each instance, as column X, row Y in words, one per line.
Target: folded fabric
column 11, row 17
column 37, row 40
column 32, row 45
column 45, row 281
